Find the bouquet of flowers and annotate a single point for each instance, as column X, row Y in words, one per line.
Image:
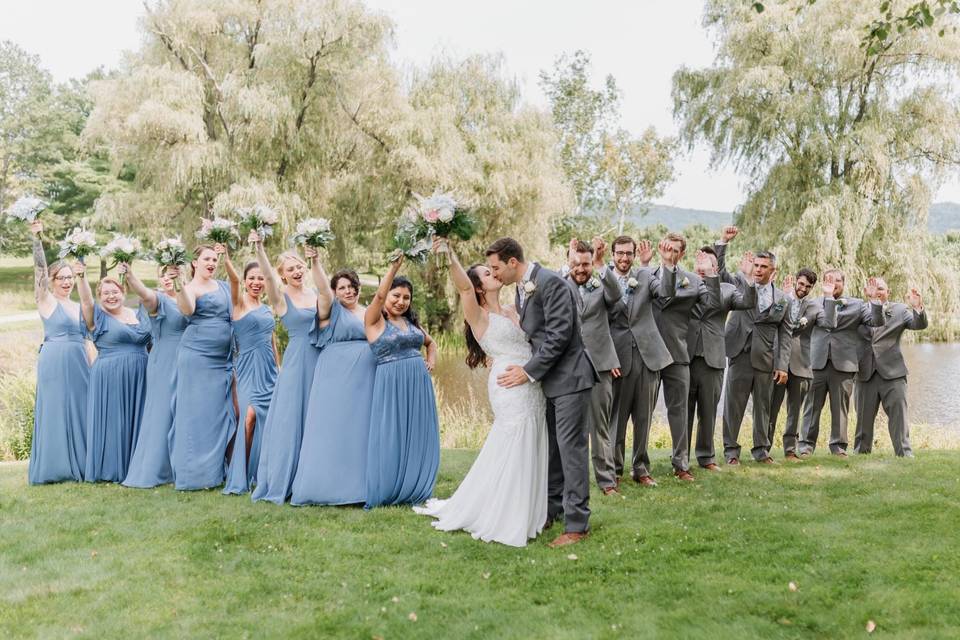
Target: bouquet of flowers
column 26, row 209
column 409, row 242
column 218, row 231
column 79, row 243
column 121, row 249
column 171, row 252
column 441, row 215
column 313, row 232
column 259, row 218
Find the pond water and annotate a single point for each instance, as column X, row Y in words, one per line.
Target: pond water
column 934, row 383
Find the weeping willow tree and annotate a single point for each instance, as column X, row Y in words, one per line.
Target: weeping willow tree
column 294, row 102
column 844, row 143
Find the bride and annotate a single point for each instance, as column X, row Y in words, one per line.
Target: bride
column 503, row 498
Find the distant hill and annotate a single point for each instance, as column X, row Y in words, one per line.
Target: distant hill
column 944, row 216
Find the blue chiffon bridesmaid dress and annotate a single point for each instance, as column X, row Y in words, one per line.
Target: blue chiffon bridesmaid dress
column 256, row 369
column 118, row 388
column 150, row 462
column 337, row 429
column 283, row 432
column 58, row 449
column 404, row 448
column 203, row 413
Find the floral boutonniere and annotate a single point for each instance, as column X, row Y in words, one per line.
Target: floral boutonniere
column 592, row 284
column 632, row 284
column 840, row 303
column 803, row 321
column 779, row 306
column 684, row 283
column 888, row 312
column 529, row 287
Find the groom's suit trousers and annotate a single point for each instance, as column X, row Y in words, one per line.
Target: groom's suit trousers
column 602, row 437
column 868, row 398
column 568, row 481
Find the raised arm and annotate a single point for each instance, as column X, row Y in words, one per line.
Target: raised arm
column 186, row 299
column 918, row 316
column 274, row 292
column 472, row 312
column 321, row 281
column 86, row 295
column 147, row 296
column 41, row 278
column 665, row 285
column 373, row 316
column 233, row 277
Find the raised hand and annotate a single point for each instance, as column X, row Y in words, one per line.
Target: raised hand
column 219, row 249
column 36, row 227
column 704, row 264
column 746, row 263
column 79, row 269
column 441, row 245
column 729, row 233
column 828, row 286
column 789, row 285
column 599, row 251
column 571, row 249
column 668, row 256
column 915, row 300
column 310, row 253
column 254, row 237
column 871, row 291
column 123, row 268
column 644, row 252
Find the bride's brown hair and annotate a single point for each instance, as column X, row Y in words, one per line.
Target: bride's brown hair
column 476, row 356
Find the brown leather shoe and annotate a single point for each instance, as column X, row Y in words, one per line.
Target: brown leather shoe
column 567, row 539
column 840, row 454
column 681, row 474
column 733, row 461
column 711, row 467
column 792, row 457
column 610, row 491
column 646, row 481
column 767, row 460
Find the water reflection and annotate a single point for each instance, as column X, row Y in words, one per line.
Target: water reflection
column 934, row 389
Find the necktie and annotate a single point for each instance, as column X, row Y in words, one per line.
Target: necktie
column 763, row 298
column 795, row 311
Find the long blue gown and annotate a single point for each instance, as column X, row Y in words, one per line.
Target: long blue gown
column 256, row 377
column 150, row 462
column 203, row 416
column 283, row 432
column 333, row 456
column 404, row 449
column 118, row 388
column 58, row 450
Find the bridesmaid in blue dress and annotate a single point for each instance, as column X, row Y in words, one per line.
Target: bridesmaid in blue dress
column 336, row 433
column 297, row 307
column 404, row 448
column 204, row 412
column 118, row 378
column 256, row 371
column 58, row 450
column 150, row 462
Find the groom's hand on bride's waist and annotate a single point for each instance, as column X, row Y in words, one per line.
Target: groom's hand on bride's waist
column 514, row 376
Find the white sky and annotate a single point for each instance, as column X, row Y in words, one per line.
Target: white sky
column 640, row 42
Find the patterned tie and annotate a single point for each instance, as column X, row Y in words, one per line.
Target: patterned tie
column 795, row 311
column 623, row 287
column 763, row 298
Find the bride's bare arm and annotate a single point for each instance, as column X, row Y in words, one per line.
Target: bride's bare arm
column 473, row 313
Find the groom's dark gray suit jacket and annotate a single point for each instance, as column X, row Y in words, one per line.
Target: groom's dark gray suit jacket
column 551, row 321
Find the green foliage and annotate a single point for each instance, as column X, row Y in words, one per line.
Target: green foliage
column 17, row 400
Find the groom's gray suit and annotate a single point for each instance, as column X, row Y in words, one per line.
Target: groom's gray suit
column 549, row 317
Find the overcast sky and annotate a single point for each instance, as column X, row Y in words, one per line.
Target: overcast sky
column 641, row 43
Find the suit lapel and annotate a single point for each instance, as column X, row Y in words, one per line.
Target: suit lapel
column 529, row 296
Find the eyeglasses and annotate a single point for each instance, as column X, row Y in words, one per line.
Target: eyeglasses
column 623, row 254
column 63, row 278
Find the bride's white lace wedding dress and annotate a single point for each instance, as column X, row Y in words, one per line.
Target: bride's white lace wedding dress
column 503, row 498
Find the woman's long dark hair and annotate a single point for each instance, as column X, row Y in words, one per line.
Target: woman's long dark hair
column 476, row 356
column 409, row 314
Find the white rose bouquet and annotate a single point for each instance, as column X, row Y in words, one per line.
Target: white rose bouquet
column 259, row 218
column 437, row 215
column 26, row 209
column 79, row 243
column 313, row 232
column 121, row 249
column 171, row 252
column 218, row 231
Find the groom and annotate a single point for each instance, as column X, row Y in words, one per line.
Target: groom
column 549, row 317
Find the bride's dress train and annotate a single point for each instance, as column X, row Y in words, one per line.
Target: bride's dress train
column 503, row 498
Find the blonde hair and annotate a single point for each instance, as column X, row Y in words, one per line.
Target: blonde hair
column 197, row 252
column 57, row 267
column 110, row 280
column 283, row 257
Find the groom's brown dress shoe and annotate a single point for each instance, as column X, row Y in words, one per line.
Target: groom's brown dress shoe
column 792, row 457
column 610, row 491
column 686, row 476
column 767, row 460
column 733, row 461
column 711, row 467
column 568, row 539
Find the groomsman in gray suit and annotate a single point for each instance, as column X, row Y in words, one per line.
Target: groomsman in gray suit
column 804, row 315
column 672, row 315
column 707, row 357
column 757, row 343
column 834, row 358
column 882, row 379
column 597, row 295
column 640, row 351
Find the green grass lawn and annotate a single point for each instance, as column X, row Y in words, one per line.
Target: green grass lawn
column 862, row 539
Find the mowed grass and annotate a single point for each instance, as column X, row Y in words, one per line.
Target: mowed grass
column 862, row 539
